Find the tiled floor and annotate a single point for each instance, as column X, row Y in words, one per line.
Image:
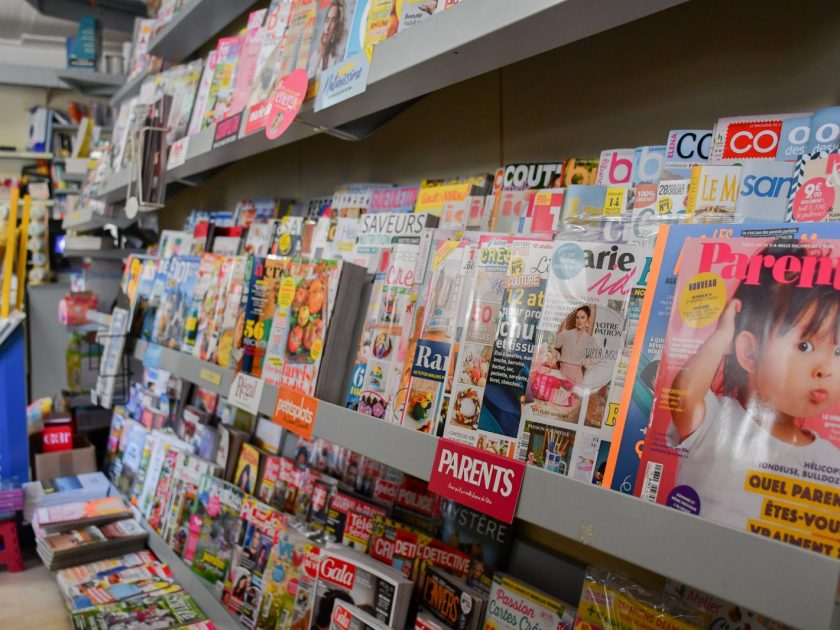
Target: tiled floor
column 31, row 599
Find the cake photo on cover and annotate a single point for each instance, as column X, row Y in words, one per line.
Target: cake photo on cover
column 742, row 428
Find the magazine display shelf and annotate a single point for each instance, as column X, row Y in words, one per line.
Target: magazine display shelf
column 25, row 155
column 744, row 568
column 102, row 254
column 195, row 24
column 92, row 83
column 201, row 591
column 463, row 42
column 130, row 88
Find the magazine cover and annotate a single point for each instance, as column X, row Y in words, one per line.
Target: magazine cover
column 378, row 232
column 264, row 279
column 286, row 240
column 513, row 347
column 386, row 333
column 741, row 428
column 765, row 188
column 171, row 316
column 635, row 406
column 203, row 299
column 360, row 581
column 249, row 54
column 331, row 35
column 297, row 41
column 155, row 611
column 815, row 194
column 513, row 605
column 483, row 538
column 247, row 468
column 740, row 138
column 160, row 501
column 189, row 471
column 298, row 330
column 228, row 347
column 215, row 527
column 382, row 22
column 349, row 617
column 202, row 95
column 212, row 310
column 268, row 62
column 473, row 361
column 123, row 583
column 720, row 613
column 443, row 309
column 289, row 583
column 245, row 582
column 566, row 424
column 221, row 91
column 342, row 506
column 451, row 601
column 713, row 191
column 685, row 149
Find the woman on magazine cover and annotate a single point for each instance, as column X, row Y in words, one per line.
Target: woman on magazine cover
column 327, row 52
column 576, row 346
column 779, row 347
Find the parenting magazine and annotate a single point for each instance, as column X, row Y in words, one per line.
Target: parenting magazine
column 745, row 424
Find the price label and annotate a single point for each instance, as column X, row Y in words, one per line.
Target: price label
column 151, row 357
column 210, row 376
column 178, row 153
column 295, row 411
column 246, row 392
column 477, row 479
column 813, row 200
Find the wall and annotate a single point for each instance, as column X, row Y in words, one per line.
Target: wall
column 680, row 68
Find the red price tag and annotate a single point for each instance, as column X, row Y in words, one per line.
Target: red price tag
column 295, row 411
column 478, row 479
column 813, row 200
column 291, row 90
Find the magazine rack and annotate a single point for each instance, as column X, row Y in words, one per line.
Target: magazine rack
column 135, row 190
column 14, row 441
column 121, row 375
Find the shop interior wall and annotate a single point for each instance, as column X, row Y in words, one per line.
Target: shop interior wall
column 680, row 68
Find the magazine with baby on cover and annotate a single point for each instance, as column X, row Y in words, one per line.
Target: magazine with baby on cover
column 743, row 427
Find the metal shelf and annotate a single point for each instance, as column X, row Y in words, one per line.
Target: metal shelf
column 92, row 83
column 200, row 590
column 102, row 254
column 25, row 155
column 85, row 219
column 194, row 25
column 472, row 38
column 131, row 87
column 756, row 572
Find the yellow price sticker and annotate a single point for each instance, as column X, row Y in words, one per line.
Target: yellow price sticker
column 210, row 376
column 702, row 300
column 316, row 349
column 287, row 292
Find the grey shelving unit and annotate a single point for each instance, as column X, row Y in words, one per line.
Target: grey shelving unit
column 92, row 83
column 469, row 39
column 84, row 219
column 131, row 87
column 201, row 591
column 756, row 572
column 102, row 254
column 197, row 22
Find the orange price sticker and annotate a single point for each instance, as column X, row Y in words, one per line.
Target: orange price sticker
column 295, row 411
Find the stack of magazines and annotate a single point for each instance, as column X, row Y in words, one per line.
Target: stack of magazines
column 87, row 544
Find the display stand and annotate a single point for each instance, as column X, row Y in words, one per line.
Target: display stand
column 14, row 441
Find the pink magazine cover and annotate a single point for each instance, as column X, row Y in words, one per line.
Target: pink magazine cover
column 248, row 59
column 745, row 424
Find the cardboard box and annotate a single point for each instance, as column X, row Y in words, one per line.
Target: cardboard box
column 80, row 459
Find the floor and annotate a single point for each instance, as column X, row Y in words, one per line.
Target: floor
column 31, row 599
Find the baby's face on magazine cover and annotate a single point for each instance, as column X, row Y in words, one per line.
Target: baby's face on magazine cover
column 798, row 375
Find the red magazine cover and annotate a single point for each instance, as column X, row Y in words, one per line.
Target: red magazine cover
column 744, row 427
